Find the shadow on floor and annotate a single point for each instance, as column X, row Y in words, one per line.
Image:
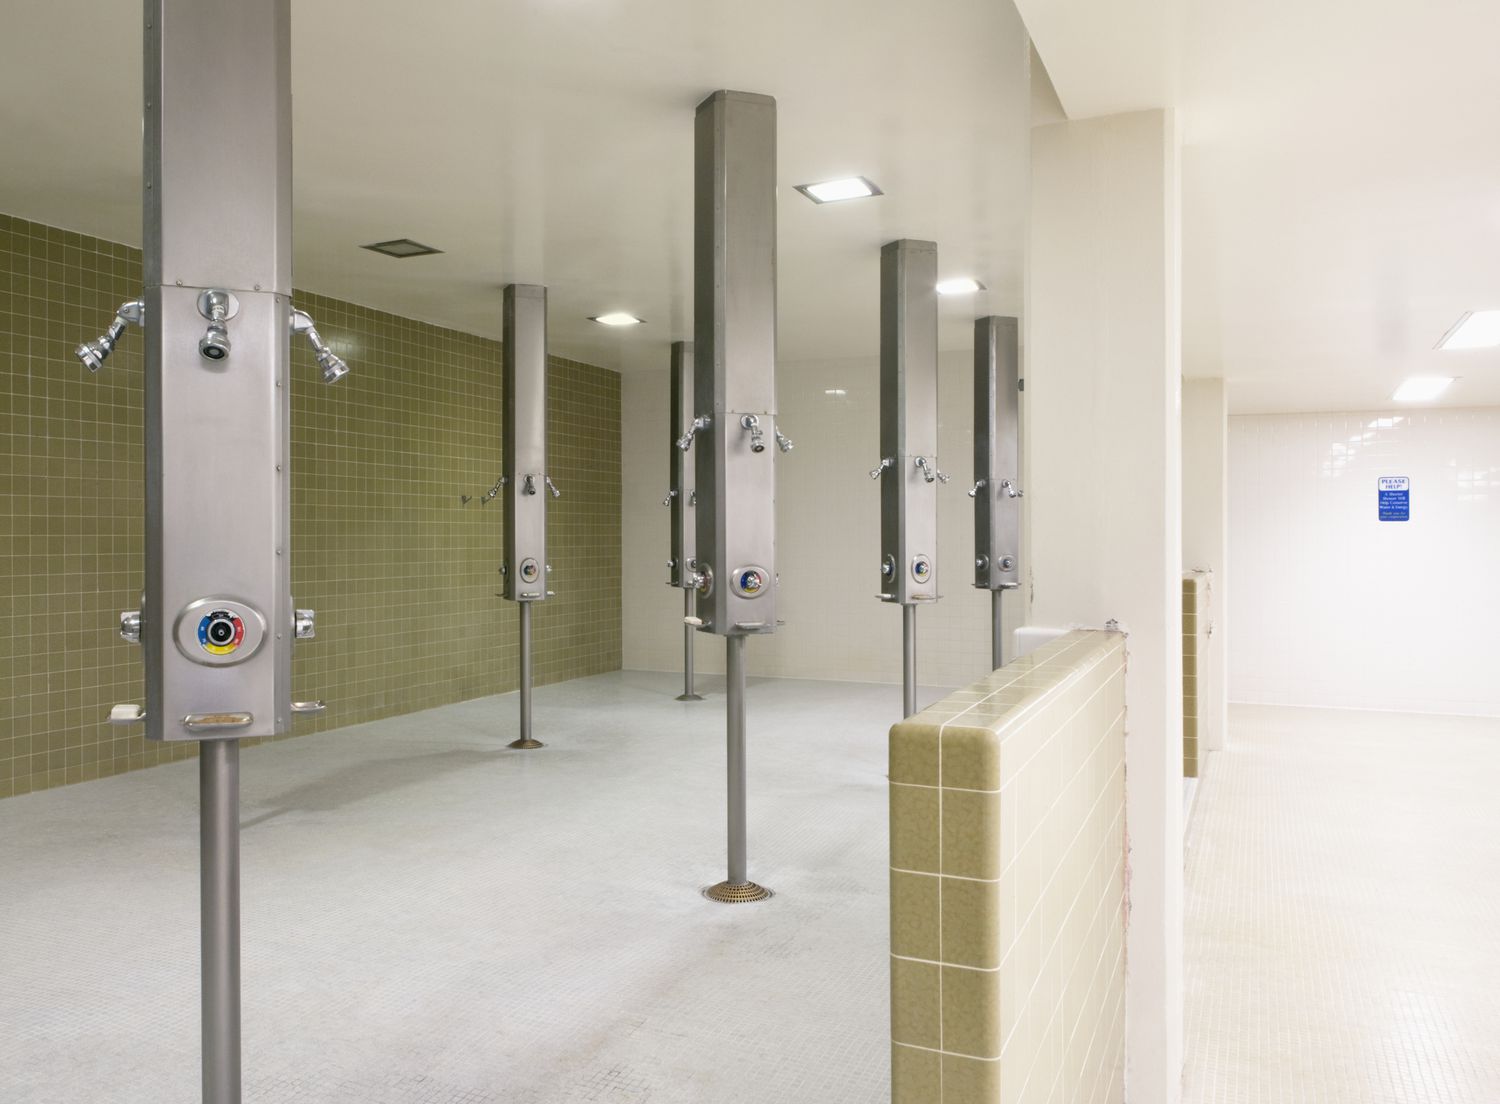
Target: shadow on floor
column 369, row 778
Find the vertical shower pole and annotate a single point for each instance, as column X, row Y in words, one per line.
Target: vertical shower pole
column 734, row 398
column 524, row 477
column 997, row 460
column 217, row 624
column 908, row 469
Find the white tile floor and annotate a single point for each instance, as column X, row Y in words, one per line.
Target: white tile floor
column 429, row 917
column 1343, row 912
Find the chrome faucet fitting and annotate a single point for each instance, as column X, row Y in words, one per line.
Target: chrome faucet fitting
column 700, row 423
column 95, row 353
column 783, row 442
column 333, row 366
column 218, row 307
column 551, row 486
column 757, row 436
column 886, row 462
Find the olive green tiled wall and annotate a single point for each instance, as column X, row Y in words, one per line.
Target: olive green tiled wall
column 403, row 577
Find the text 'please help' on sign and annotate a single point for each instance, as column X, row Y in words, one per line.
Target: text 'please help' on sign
column 1395, row 498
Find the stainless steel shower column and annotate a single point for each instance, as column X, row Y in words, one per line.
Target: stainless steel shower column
column 908, row 468
column 683, row 500
column 217, row 623
column 734, row 397
column 524, row 479
column 997, row 460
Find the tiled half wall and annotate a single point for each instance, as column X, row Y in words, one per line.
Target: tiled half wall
column 402, row 576
column 1007, row 884
column 1197, row 630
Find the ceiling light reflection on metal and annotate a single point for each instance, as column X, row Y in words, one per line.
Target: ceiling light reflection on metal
column 1475, row 330
column 1422, row 388
column 401, row 248
column 616, row 318
column 836, row 191
column 959, row 285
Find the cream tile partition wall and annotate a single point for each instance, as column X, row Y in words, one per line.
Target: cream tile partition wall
column 1008, row 884
column 1197, row 586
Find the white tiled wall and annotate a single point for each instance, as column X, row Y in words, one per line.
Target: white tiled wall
column 828, row 536
column 1334, row 607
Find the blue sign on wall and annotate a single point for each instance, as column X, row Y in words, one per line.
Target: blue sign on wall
column 1395, row 498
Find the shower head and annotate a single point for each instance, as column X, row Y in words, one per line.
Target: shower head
column 95, row 353
column 333, row 366
column 214, row 345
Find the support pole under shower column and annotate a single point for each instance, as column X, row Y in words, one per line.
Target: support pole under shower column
column 524, row 741
column 219, row 863
column 688, row 693
column 737, row 887
column 909, row 659
column 997, row 633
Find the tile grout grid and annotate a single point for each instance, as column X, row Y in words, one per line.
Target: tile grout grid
column 1342, row 901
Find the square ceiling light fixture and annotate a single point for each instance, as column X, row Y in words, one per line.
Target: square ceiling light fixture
column 1422, row 388
column 401, row 247
column 1475, row 330
column 959, row 285
column 836, row 191
column 616, row 318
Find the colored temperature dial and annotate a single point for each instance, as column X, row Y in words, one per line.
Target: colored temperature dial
column 221, row 632
column 751, row 582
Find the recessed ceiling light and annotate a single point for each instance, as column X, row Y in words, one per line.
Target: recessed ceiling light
column 959, row 285
column 1422, row 388
column 1475, row 330
column 836, row 391
column 834, row 191
column 402, row 247
column 616, row 318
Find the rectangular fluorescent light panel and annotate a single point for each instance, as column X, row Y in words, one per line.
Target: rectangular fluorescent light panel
column 616, row 318
column 402, row 247
column 1475, row 330
column 959, row 285
column 835, row 191
column 1422, row 388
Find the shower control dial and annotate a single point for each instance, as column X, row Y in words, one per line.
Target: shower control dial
column 531, row 570
column 217, row 632
column 750, row 582
column 921, row 568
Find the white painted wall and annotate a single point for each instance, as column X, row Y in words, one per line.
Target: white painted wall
column 1103, row 434
column 1333, row 607
column 828, row 536
column 1205, row 539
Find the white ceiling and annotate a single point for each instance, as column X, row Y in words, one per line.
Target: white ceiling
column 1341, row 180
column 550, row 141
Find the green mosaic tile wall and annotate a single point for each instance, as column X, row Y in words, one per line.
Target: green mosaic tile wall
column 404, row 577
